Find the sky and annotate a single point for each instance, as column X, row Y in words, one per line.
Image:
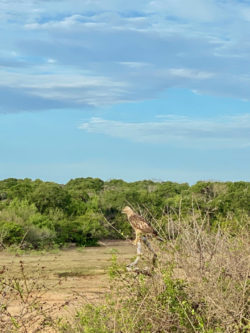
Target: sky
column 125, row 89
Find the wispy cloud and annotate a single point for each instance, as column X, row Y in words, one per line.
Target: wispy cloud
column 190, row 74
column 195, row 10
column 132, row 50
column 227, row 132
column 56, row 87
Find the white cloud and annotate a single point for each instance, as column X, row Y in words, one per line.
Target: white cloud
column 134, row 64
column 51, row 61
column 132, row 50
column 227, row 132
column 65, row 85
column 190, row 74
column 63, row 79
column 200, row 10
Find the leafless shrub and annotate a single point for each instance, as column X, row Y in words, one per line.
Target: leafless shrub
column 216, row 266
column 200, row 284
column 22, row 308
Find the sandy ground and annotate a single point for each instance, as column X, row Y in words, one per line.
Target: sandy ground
column 67, row 276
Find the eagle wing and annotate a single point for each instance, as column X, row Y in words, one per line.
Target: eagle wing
column 139, row 223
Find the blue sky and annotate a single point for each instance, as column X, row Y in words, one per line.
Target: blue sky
column 125, row 89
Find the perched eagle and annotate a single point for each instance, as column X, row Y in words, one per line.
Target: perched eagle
column 138, row 223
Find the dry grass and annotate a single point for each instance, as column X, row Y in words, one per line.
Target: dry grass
column 200, row 284
column 216, row 266
column 35, row 288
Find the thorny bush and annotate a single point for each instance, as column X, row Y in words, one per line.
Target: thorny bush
column 200, row 284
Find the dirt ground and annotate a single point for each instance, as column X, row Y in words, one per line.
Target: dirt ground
column 69, row 275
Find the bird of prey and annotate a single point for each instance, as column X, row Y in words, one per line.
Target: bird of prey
column 138, row 223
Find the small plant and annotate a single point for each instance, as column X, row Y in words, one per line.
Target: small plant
column 22, row 308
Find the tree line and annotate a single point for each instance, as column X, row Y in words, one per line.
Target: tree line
column 38, row 214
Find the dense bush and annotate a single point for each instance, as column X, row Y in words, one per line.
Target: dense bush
column 87, row 209
column 199, row 284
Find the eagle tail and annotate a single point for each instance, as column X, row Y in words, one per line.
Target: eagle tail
column 155, row 233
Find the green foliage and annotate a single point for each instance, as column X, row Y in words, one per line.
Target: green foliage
column 86, row 185
column 143, row 309
column 177, row 299
column 21, row 223
column 87, row 209
column 82, row 230
column 48, row 196
column 92, row 319
column 11, row 233
column 39, row 237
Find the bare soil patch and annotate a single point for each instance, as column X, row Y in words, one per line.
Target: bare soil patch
column 82, row 272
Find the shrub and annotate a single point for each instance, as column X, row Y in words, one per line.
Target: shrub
column 198, row 285
column 24, row 293
column 11, row 233
column 39, row 237
column 82, row 230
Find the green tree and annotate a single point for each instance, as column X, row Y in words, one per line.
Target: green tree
column 48, row 196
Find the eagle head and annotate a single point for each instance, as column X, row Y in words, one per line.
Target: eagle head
column 127, row 210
